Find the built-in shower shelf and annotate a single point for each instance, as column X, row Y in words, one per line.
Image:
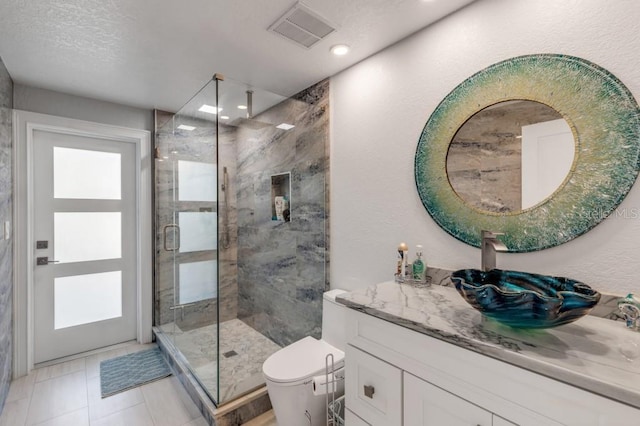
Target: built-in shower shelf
column 281, row 197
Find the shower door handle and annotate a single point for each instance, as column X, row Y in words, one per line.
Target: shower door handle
column 175, row 239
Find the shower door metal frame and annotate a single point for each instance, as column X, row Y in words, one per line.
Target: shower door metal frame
column 174, row 247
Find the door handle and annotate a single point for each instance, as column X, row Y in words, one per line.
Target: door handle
column 45, row 261
column 166, row 228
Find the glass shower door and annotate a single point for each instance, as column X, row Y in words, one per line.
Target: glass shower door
column 187, row 239
column 241, row 221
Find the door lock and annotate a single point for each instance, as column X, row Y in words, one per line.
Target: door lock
column 44, row 261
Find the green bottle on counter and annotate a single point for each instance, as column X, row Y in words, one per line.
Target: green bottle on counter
column 418, row 265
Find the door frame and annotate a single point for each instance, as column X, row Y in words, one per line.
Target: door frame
column 24, row 124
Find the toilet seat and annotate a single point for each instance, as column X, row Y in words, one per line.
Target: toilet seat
column 300, row 361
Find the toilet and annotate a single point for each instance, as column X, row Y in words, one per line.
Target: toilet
column 289, row 373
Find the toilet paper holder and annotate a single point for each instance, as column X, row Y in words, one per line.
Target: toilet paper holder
column 332, row 379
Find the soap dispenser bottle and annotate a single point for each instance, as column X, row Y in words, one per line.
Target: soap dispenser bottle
column 418, row 265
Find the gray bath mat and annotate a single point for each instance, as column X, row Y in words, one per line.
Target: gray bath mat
column 128, row 371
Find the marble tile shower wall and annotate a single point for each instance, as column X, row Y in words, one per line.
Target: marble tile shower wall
column 282, row 265
column 200, row 146
column 6, row 246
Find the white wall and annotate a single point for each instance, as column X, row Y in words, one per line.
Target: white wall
column 380, row 106
column 44, row 101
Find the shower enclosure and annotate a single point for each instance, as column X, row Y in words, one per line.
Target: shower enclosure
column 241, row 219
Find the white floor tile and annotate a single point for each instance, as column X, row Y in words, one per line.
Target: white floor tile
column 137, row 415
column 200, row 421
column 15, row 413
column 76, row 418
column 165, row 408
column 21, row 388
column 55, row 397
column 101, row 407
column 57, row 370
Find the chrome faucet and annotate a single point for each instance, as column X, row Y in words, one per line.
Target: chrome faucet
column 490, row 245
column 630, row 309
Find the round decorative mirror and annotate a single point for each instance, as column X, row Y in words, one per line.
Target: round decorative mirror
column 540, row 147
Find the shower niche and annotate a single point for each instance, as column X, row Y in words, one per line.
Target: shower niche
column 281, row 197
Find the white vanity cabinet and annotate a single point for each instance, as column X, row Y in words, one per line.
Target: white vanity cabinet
column 396, row 376
column 382, row 394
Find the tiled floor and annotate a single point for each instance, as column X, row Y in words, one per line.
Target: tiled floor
column 266, row 419
column 68, row 394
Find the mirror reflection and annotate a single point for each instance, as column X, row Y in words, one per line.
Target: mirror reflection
column 510, row 156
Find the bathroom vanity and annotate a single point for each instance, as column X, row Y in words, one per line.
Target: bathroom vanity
column 423, row 356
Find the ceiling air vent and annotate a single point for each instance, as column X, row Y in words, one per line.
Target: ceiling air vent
column 302, row 25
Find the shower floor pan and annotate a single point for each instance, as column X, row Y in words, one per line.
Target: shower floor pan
column 240, row 370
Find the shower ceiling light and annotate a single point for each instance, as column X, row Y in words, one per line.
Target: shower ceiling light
column 242, row 107
column 340, row 49
column 285, row 126
column 209, row 109
column 186, row 127
column 224, row 117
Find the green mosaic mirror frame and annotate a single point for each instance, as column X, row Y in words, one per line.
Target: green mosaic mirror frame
column 604, row 118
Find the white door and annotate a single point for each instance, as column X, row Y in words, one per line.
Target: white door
column 548, row 150
column 85, row 243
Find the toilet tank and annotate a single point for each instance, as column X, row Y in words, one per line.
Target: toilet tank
column 334, row 320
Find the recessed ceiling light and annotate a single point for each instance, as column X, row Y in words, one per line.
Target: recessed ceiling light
column 209, row 109
column 224, row 117
column 285, row 126
column 242, row 107
column 186, row 127
column 165, row 157
column 340, row 49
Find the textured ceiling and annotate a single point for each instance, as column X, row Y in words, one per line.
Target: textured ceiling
column 157, row 53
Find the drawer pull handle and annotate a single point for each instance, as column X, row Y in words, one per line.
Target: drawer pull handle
column 369, row 391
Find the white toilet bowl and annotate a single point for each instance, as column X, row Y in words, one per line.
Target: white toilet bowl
column 289, row 373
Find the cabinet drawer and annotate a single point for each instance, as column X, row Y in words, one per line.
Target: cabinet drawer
column 499, row 421
column 428, row 405
column 351, row 419
column 373, row 388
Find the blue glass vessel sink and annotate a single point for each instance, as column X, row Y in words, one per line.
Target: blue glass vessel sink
column 525, row 300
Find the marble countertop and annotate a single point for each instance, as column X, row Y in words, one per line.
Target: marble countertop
column 587, row 353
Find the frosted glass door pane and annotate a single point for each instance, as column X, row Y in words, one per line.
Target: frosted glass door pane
column 198, row 281
column 83, row 174
column 82, row 299
column 197, row 181
column 198, row 231
column 81, row 236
